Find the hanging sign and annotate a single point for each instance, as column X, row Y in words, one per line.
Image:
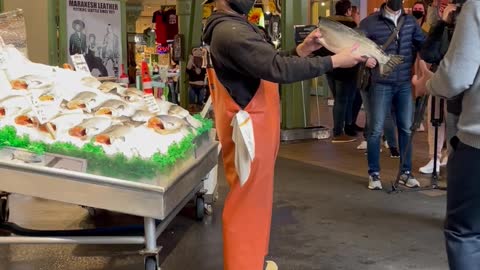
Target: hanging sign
column 94, row 31
column 302, row 32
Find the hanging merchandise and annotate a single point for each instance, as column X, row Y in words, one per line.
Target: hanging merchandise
column 177, row 54
column 160, row 27
column 171, row 20
column 274, row 29
column 149, row 36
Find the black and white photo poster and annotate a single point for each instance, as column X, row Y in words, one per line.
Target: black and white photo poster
column 94, row 30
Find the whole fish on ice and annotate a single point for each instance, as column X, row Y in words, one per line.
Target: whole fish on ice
column 114, row 108
column 166, row 124
column 108, row 87
column 84, row 100
column 131, row 95
column 114, row 134
column 31, row 82
column 13, row 105
column 90, row 127
column 336, row 37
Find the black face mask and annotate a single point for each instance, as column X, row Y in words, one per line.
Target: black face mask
column 417, row 14
column 242, row 6
column 395, row 5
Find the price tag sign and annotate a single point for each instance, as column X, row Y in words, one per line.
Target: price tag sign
column 302, row 32
column 79, row 63
column 151, row 103
column 43, row 111
column 39, row 111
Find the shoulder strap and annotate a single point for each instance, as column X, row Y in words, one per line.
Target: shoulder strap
column 395, row 32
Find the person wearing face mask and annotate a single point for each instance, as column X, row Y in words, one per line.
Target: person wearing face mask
column 419, row 11
column 243, row 82
column 393, row 90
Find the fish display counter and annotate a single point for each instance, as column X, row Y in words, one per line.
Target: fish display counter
column 66, row 136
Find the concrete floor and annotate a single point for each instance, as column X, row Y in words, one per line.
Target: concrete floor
column 322, row 220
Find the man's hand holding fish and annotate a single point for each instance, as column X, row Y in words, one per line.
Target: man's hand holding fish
column 348, row 57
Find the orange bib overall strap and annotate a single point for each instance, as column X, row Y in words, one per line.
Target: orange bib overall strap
column 248, row 209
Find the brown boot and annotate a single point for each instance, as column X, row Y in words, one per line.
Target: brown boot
column 343, row 139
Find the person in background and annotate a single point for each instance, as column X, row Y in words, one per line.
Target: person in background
column 433, row 52
column 419, row 11
column 342, row 83
column 196, row 77
column 356, row 14
column 244, row 77
column 458, row 75
column 394, row 90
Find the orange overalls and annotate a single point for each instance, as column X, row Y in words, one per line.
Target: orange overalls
column 248, row 209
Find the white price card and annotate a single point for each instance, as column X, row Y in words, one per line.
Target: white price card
column 151, row 103
column 43, row 112
column 80, row 63
column 39, row 111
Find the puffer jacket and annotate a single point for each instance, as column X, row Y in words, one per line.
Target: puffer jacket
column 378, row 28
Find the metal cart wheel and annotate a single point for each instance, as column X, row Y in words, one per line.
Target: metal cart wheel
column 151, row 263
column 200, row 208
column 4, row 209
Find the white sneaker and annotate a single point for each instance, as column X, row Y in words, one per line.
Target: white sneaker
column 428, row 169
column 374, row 182
column 362, row 146
column 386, row 145
column 421, row 128
column 409, row 180
column 271, row 265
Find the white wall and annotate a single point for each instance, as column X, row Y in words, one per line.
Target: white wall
column 36, row 18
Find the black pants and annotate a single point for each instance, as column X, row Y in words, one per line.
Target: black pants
column 462, row 226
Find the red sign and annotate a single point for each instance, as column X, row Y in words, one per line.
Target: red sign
column 163, row 49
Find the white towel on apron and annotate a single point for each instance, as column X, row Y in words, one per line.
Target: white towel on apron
column 244, row 140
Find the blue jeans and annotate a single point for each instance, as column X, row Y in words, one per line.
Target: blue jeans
column 381, row 99
column 389, row 128
column 197, row 95
column 344, row 93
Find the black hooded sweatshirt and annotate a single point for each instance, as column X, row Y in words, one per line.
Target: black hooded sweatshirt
column 242, row 57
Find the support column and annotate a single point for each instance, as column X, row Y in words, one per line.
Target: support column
column 295, row 102
column 52, row 33
column 190, row 22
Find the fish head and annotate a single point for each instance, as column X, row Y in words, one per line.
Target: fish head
column 19, row 84
column 25, row 120
column 78, row 132
column 103, row 139
column 106, row 112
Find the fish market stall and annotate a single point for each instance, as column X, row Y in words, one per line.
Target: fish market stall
column 68, row 137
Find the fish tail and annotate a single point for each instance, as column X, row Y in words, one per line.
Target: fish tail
column 393, row 62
